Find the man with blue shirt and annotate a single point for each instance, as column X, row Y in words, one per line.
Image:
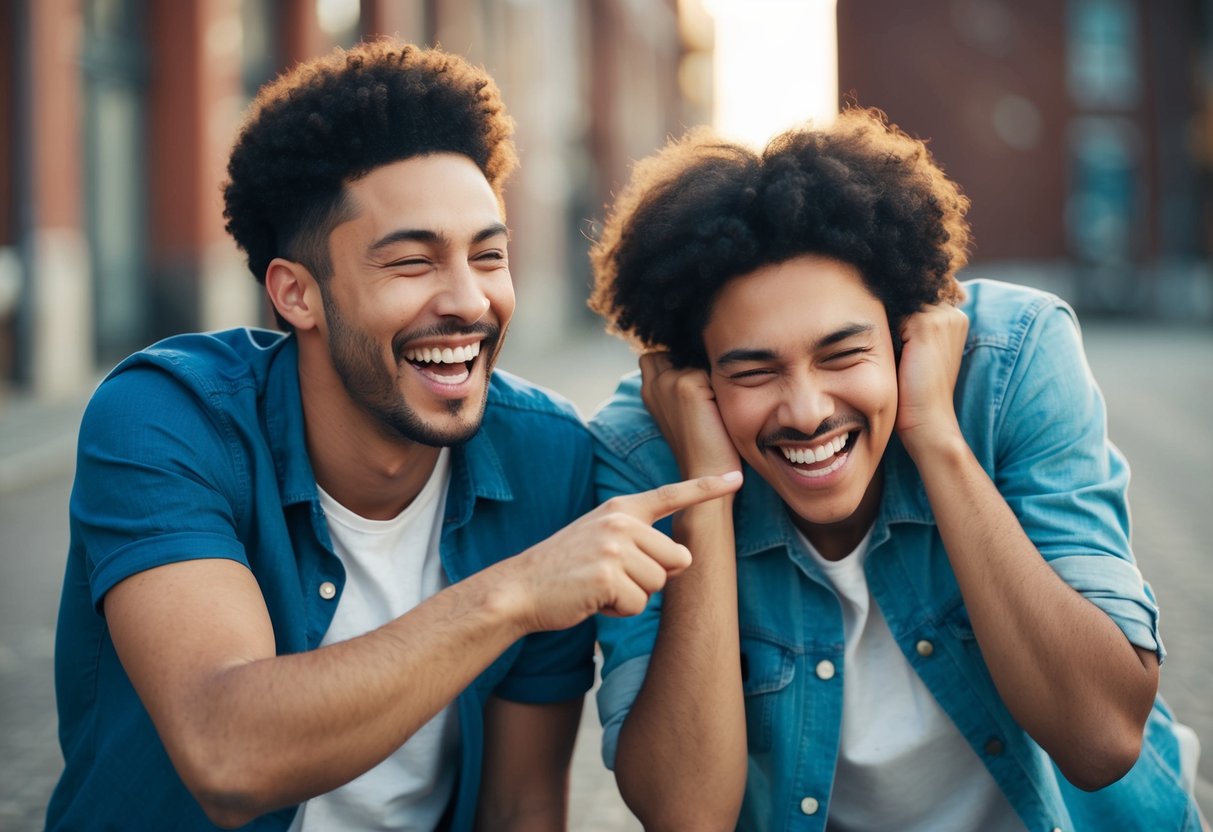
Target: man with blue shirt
column 340, row 578
column 921, row 611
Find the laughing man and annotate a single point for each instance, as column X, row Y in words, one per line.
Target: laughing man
column 921, row 610
column 336, row 578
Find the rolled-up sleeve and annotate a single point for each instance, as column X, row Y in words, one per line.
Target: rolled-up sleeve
column 1063, row 478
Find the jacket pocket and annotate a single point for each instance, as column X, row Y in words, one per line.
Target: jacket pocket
column 767, row 668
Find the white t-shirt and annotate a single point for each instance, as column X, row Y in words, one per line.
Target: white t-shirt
column 903, row 766
column 390, row 567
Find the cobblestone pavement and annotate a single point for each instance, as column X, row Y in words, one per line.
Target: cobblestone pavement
column 1159, row 386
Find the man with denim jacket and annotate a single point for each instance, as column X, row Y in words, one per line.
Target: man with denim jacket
column 340, row 577
column 921, row 611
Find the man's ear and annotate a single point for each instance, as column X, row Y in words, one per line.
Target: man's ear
column 294, row 292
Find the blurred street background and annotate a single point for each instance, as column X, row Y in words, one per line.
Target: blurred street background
column 1081, row 129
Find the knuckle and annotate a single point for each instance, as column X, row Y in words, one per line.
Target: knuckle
column 687, row 382
column 667, row 493
column 616, row 522
column 613, row 506
column 602, row 581
column 610, row 550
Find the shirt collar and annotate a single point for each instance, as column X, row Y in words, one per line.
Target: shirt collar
column 282, row 412
column 476, row 472
column 476, row 469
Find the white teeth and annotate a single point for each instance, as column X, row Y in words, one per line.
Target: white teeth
column 816, row 473
column 451, row 380
column 443, row 355
column 819, row 453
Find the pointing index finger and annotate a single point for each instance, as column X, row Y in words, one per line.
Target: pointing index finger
column 663, row 501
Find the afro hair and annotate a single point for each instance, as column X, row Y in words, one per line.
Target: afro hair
column 332, row 120
column 704, row 210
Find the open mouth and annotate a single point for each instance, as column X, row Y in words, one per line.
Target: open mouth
column 823, row 458
column 444, row 365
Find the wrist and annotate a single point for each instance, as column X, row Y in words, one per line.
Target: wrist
column 708, row 467
column 708, row 521
column 501, row 594
column 930, row 444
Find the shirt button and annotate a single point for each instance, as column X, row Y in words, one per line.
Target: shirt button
column 994, row 748
column 924, row 648
column 825, row 671
column 328, row 590
column 809, row 805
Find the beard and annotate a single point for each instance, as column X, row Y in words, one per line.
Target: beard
column 358, row 361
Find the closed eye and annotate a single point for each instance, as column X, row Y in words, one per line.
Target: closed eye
column 845, row 354
column 754, row 376
column 410, row 266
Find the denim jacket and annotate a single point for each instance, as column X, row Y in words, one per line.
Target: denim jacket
column 1034, row 417
column 195, row 447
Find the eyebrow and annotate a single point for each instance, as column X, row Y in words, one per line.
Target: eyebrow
column 742, row 355
column 424, row 235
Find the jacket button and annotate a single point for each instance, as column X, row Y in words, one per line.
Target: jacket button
column 825, row 670
column 924, row 648
column 809, row 805
column 994, row 746
column 328, row 590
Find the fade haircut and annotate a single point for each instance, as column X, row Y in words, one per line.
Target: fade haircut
column 704, row 211
column 330, row 121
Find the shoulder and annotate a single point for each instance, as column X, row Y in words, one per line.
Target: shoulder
column 518, row 410
column 207, row 362
column 198, row 383
column 1017, row 333
column 623, row 425
column 628, row 443
column 512, row 397
column 1005, row 314
column 1025, row 371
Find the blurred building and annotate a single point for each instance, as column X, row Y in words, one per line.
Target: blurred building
column 116, row 117
column 1080, row 129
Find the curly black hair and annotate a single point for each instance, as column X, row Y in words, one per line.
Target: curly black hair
column 704, row 211
column 332, row 120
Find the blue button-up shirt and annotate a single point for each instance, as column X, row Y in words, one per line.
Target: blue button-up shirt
column 194, row 448
column 1033, row 416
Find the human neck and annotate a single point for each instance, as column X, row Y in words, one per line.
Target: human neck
column 353, row 458
column 374, row 479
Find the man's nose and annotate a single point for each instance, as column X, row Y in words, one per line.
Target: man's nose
column 462, row 295
column 806, row 404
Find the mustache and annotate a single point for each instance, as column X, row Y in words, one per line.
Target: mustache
column 490, row 331
column 830, row 425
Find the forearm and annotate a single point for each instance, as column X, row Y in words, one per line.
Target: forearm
column 1065, row 670
column 249, row 730
column 524, row 783
column 279, row 730
column 681, row 760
